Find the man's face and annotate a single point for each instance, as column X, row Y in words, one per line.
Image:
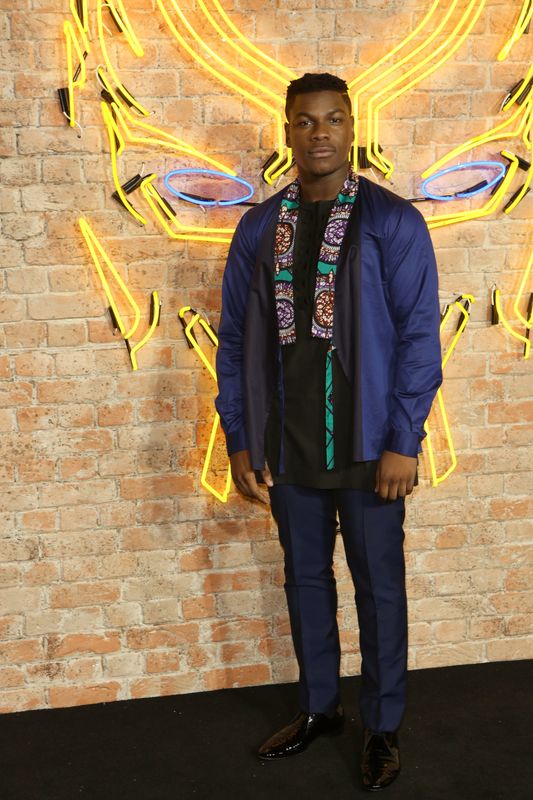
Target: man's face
column 320, row 132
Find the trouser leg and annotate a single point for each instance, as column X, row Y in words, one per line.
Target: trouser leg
column 306, row 522
column 373, row 537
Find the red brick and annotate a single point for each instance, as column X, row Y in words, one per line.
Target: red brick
column 60, row 646
column 156, row 486
column 230, row 677
column 66, row 696
column 198, row 607
column 20, row 652
column 84, row 594
column 11, row 677
column 21, row 700
column 167, row 636
column 160, row 686
column 36, row 418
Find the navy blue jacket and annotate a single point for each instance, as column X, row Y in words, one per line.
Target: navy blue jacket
column 386, row 326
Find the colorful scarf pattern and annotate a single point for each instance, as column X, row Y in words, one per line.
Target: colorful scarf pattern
column 326, row 268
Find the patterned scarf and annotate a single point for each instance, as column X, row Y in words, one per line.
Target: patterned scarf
column 326, row 270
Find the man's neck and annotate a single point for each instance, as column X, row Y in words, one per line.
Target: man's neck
column 323, row 187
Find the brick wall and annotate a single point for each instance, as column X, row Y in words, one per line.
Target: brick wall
column 121, row 577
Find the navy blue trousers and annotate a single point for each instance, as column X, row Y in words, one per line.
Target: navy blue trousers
column 373, row 537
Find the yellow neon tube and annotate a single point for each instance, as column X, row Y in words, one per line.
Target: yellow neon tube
column 280, row 68
column 526, row 14
column 276, row 74
column 525, row 188
column 112, row 131
column 188, row 333
column 82, row 23
column 100, row 24
column 365, row 75
column 508, row 328
column 527, row 322
column 71, row 41
column 497, row 132
column 197, row 319
column 222, row 496
column 213, row 54
column 158, row 137
column 253, row 98
column 121, row 18
column 461, row 327
column 98, row 255
column 150, row 332
column 450, row 45
column 511, row 100
column 435, row 478
column 189, row 232
column 528, row 128
column 492, row 203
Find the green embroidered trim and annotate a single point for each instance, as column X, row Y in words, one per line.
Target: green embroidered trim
column 330, row 447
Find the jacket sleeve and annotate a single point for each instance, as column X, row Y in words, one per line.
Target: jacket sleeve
column 229, row 362
column 413, row 287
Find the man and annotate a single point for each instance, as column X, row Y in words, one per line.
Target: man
column 328, row 362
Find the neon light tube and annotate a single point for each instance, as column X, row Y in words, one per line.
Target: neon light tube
column 99, row 255
column 156, row 306
column 500, row 131
column 191, row 339
column 100, row 25
column 457, row 304
column 471, row 165
column 213, row 54
column 507, row 326
column 188, row 232
column 112, row 132
column 82, row 23
column 527, row 321
column 525, row 17
column 280, row 68
column 441, row 220
column 210, row 173
column 157, row 136
column 222, row 496
column 450, row 45
column 364, row 77
column 274, row 73
column 465, row 317
column 121, row 18
column 525, row 188
column 435, row 478
column 75, row 79
column 269, row 174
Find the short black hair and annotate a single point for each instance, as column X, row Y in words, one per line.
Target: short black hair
column 316, row 82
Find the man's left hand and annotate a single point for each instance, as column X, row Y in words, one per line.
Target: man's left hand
column 395, row 475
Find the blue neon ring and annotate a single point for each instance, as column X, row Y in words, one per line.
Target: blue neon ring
column 471, row 165
column 210, row 172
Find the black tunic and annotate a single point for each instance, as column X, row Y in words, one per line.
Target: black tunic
column 303, row 367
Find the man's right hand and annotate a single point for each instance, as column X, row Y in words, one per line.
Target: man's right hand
column 244, row 477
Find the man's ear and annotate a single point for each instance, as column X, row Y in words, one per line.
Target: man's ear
column 287, row 134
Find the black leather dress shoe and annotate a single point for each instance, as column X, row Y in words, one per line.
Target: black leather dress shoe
column 381, row 760
column 300, row 732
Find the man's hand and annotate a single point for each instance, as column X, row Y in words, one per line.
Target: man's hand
column 244, row 477
column 395, row 475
